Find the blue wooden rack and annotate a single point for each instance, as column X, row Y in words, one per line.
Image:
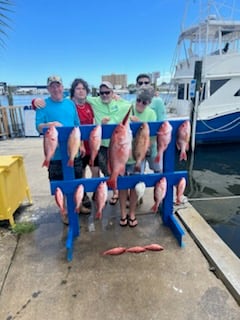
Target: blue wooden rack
column 69, row 184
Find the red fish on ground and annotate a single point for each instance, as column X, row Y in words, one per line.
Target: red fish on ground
column 180, row 190
column 119, row 150
column 141, row 144
column 163, row 139
column 101, row 198
column 183, row 139
column 50, row 142
column 136, row 249
column 94, row 143
column 78, row 196
column 60, row 201
column 114, row 251
column 73, row 145
column 159, row 193
column 154, row 247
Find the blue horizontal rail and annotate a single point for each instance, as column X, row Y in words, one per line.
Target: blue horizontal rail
column 69, row 184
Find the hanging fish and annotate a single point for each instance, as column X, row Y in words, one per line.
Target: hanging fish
column 119, row 150
column 101, row 198
column 180, row 190
column 164, row 136
column 183, row 139
column 60, row 201
column 78, row 196
column 95, row 138
column 50, row 143
column 73, row 145
column 141, row 144
column 160, row 190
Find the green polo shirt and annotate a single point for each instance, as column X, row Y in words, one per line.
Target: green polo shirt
column 115, row 110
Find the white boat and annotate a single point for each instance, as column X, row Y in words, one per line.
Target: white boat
column 209, row 52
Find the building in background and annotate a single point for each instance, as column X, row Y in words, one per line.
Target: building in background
column 119, row 81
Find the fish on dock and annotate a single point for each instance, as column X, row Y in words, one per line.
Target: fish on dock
column 114, row 251
column 154, row 247
column 101, row 198
column 78, row 196
column 136, row 249
column 60, row 201
column 180, row 190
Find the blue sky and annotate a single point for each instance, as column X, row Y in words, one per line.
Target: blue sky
column 89, row 38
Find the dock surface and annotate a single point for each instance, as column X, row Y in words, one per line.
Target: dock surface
column 38, row 283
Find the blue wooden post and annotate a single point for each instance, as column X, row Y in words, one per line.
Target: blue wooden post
column 69, row 184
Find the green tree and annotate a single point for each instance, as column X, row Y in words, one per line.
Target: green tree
column 5, row 10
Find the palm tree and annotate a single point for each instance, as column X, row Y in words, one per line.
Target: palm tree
column 5, row 9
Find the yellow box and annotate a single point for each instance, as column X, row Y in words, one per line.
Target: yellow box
column 13, row 186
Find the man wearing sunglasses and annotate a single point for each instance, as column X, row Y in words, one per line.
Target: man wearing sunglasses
column 158, row 106
column 107, row 110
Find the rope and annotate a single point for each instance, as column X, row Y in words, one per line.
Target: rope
column 220, row 129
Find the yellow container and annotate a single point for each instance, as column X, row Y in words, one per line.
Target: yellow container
column 13, row 186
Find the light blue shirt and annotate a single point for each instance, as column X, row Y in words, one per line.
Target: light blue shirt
column 62, row 111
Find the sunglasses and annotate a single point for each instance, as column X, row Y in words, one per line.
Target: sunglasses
column 143, row 82
column 104, row 92
column 142, row 101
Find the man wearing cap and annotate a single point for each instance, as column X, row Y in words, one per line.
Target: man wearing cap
column 107, row 110
column 57, row 111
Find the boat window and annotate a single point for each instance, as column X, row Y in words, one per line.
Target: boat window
column 216, row 84
column 180, row 94
column 237, row 94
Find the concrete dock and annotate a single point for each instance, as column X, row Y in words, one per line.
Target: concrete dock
column 198, row 281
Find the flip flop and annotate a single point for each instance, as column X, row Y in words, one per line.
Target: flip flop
column 131, row 222
column 123, row 222
column 113, row 200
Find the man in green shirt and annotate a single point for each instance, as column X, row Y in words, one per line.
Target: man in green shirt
column 107, row 110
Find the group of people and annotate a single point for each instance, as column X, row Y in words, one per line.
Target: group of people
column 107, row 108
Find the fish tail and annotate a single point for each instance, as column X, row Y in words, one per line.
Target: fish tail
column 157, row 159
column 45, row 163
column 183, row 156
column 154, row 208
column 70, row 163
column 98, row 215
column 112, row 183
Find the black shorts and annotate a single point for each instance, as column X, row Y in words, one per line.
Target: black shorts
column 85, row 161
column 103, row 160
column 55, row 169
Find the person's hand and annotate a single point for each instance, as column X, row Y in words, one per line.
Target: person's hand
column 38, row 103
column 55, row 123
column 105, row 120
column 134, row 119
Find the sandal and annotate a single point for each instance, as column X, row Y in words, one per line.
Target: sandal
column 123, row 222
column 132, row 222
column 113, row 200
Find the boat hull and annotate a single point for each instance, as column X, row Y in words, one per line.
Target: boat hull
column 221, row 129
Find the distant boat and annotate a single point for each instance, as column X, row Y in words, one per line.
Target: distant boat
column 207, row 75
